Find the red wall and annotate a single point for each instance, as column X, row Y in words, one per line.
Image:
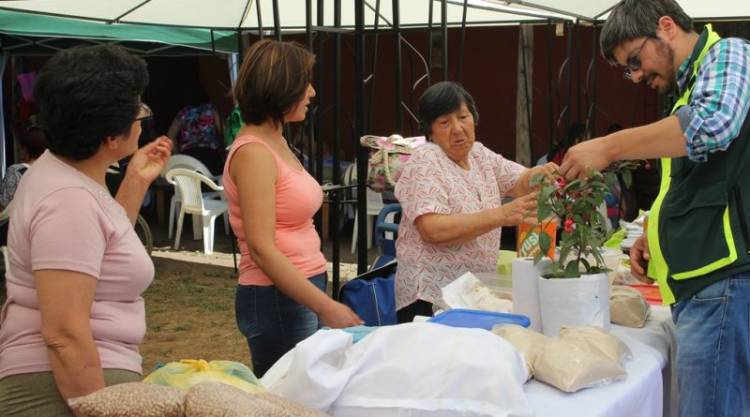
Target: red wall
column 489, row 74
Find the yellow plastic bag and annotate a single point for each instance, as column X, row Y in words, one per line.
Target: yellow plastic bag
column 188, row 372
column 505, row 262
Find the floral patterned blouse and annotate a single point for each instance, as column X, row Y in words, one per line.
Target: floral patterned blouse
column 198, row 128
column 10, row 182
column 433, row 183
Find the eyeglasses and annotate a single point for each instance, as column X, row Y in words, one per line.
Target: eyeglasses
column 633, row 62
column 146, row 112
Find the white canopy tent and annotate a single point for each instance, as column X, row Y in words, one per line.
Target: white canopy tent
column 593, row 10
column 292, row 16
column 243, row 14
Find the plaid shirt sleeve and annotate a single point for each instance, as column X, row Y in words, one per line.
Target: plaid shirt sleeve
column 720, row 99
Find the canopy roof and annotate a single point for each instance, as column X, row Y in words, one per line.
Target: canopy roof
column 27, row 33
column 243, row 14
column 599, row 9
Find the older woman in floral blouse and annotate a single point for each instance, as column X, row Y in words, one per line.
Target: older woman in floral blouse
column 451, row 192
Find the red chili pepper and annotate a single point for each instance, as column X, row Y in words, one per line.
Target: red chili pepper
column 569, row 226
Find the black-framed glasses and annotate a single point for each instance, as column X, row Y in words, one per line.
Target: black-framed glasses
column 633, row 62
column 146, row 113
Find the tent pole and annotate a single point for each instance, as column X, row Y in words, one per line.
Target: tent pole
column 550, row 106
column 371, row 79
column 591, row 90
column 334, row 225
column 444, row 31
column 3, row 63
column 568, row 76
column 460, row 72
column 260, row 20
column 320, row 92
column 316, row 157
column 396, row 25
column 276, row 22
column 359, row 90
column 310, row 121
column 429, row 43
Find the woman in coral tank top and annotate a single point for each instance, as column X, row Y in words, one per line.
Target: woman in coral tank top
column 281, row 298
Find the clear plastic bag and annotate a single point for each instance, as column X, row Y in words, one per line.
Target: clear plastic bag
column 188, row 372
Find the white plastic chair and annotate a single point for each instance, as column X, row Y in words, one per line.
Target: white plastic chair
column 188, row 182
column 374, row 205
column 193, row 164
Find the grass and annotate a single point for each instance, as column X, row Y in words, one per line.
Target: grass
column 190, row 315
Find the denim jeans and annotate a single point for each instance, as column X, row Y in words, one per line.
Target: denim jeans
column 713, row 350
column 272, row 322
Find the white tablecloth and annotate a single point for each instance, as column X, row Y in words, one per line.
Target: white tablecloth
column 641, row 394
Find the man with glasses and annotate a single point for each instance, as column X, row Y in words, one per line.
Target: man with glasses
column 697, row 245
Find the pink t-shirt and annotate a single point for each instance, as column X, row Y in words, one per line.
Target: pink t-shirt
column 62, row 219
column 298, row 198
column 432, row 183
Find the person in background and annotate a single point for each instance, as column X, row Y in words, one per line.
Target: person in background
column 196, row 130
column 451, row 192
column 232, row 126
column 281, row 297
column 74, row 315
column 697, row 239
column 576, row 133
column 32, row 144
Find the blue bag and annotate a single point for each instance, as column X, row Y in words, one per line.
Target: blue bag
column 372, row 296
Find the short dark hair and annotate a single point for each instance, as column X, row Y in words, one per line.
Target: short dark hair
column 33, row 141
column 440, row 99
column 631, row 19
column 273, row 78
column 87, row 94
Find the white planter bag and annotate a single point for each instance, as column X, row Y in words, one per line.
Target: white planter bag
column 580, row 301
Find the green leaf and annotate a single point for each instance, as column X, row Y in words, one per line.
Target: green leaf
column 543, row 211
column 538, row 257
column 627, row 178
column 544, row 242
column 571, row 270
column 586, row 265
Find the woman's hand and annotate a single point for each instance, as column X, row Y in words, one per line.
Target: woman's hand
column 338, row 315
column 520, row 210
column 523, row 185
column 148, row 162
column 550, row 169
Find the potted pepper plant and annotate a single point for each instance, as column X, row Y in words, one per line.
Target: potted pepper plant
column 574, row 290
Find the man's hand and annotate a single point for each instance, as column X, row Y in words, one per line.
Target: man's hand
column 147, row 162
column 581, row 159
column 639, row 257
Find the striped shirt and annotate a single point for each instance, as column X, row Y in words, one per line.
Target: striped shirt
column 720, row 99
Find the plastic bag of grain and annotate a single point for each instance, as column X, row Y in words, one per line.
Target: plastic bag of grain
column 581, row 357
column 627, row 306
column 130, row 399
column 212, row 399
column 526, row 341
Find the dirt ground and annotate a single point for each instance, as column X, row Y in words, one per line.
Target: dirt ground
column 190, row 304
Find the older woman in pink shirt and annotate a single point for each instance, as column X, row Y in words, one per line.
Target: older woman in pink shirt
column 74, row 316
column 451, row 193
